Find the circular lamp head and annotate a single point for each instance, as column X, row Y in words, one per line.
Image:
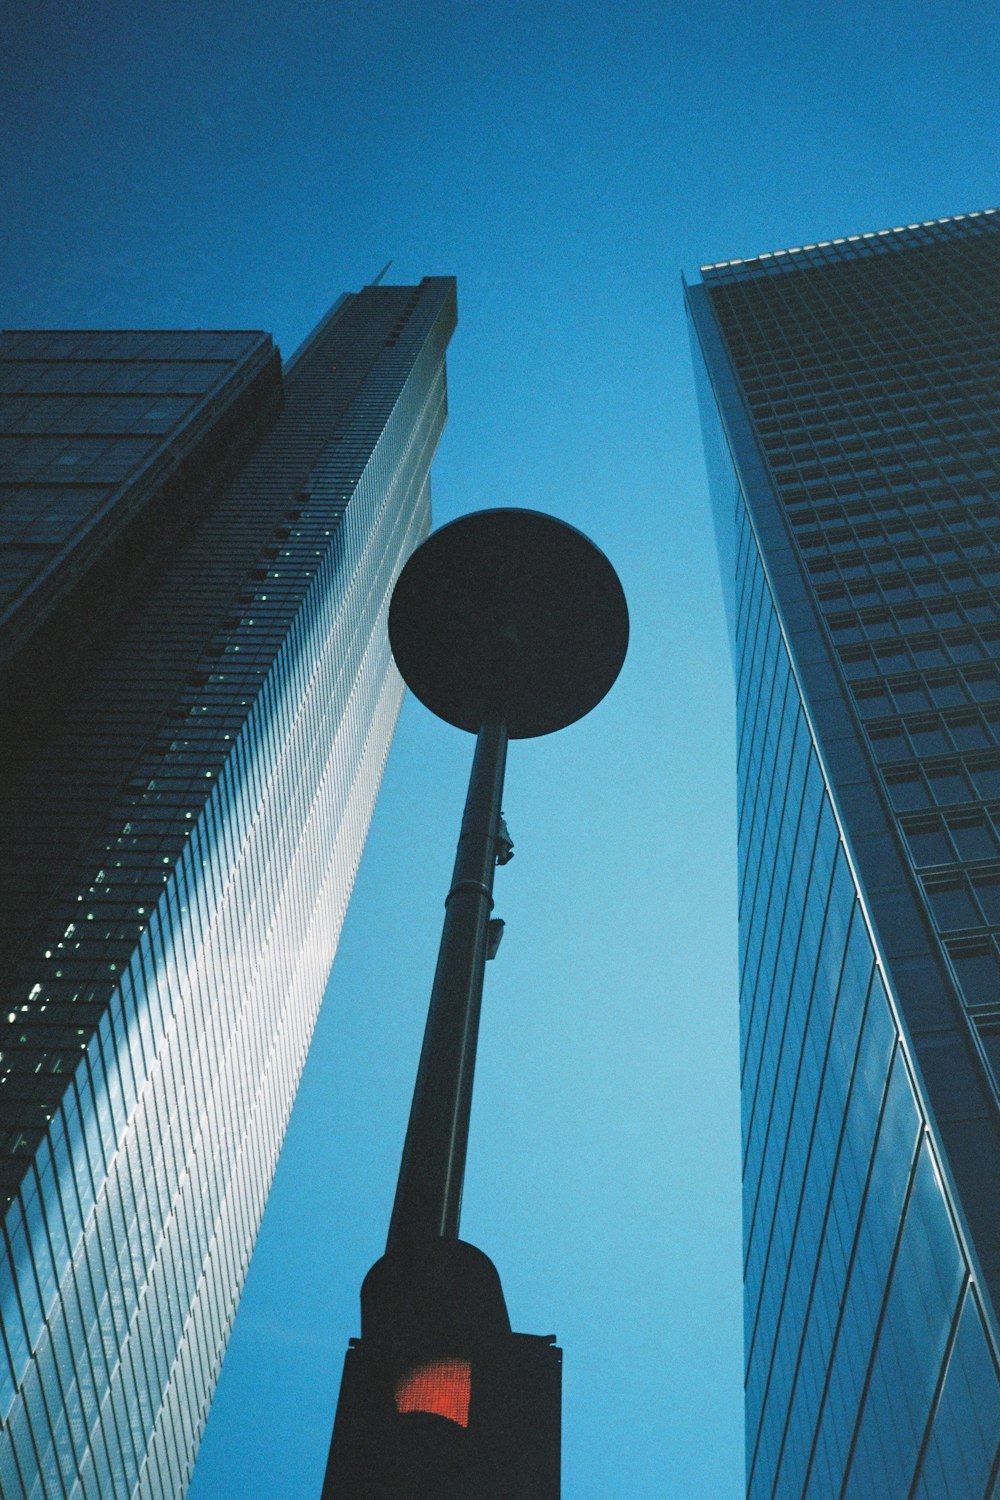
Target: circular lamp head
column 509, row 613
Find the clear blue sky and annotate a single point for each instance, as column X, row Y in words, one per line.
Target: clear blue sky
column 216, row 164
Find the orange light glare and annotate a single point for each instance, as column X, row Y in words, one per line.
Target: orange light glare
column 440, row 1387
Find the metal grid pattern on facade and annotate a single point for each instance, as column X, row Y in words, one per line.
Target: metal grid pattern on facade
column 876, row 400
column 858, row 387
column 867, row 1343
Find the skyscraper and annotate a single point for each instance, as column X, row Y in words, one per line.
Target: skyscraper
column 850, row 395
column 199, row 552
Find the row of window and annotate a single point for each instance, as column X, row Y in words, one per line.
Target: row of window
column 960, row 512
column 963, row 838
column 960, row 901
column 945, row 734
column 956, row 645
column 862, row 546
column 131, row 345
column 876, row 420
column 911, row 566
column 908, row 693
column 964, row 593
column 130, row 377
column 894, row 445
column 877, row 366
column 898, row 655
column 33, row 418
column 947, row 784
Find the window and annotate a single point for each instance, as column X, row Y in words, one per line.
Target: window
column 906, row 790
column 928, row 737
column 987, row 891
column 947, row 785
column 872, row 702
column 986, row 777
column 952, row 904
column 928, row 843
column 978, row 971
column 973, row 836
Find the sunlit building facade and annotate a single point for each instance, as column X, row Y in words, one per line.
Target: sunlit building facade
column 199, row 547
column 850, row 396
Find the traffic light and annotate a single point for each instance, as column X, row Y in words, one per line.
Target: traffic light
column 439, row 1399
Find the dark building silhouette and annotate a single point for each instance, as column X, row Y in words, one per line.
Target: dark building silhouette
column 198, row 552
column 850, row 395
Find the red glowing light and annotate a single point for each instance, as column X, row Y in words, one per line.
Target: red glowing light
column 440, row 1387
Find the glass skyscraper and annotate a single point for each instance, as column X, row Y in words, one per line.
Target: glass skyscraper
column 850, row 396
column 199, row 548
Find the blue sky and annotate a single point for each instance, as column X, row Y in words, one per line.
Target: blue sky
column 220, row 165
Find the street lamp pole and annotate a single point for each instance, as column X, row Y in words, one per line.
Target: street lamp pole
column 429, row 1190
column 508, row 624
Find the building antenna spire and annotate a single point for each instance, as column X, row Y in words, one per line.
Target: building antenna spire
column 378, row 278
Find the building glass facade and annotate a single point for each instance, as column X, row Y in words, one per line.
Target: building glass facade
column 181, row 827
column 850, row 396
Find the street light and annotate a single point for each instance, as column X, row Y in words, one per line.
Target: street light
column 509, row 624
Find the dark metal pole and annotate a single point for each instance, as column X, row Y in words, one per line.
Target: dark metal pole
column 429, row 1190
column 513, row 611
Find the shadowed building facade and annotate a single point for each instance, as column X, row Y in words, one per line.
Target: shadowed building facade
column 199, row 548
column 850, row 396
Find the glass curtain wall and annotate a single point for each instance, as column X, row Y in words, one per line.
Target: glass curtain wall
column 868, row 1108
column 168, row 1006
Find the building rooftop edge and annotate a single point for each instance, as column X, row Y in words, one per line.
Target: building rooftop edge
column 764, row 261
column 258, row 333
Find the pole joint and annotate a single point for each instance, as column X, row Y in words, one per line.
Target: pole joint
column 470, row 885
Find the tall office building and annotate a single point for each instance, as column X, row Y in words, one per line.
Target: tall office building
column 851, row 409
column 199, row 549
